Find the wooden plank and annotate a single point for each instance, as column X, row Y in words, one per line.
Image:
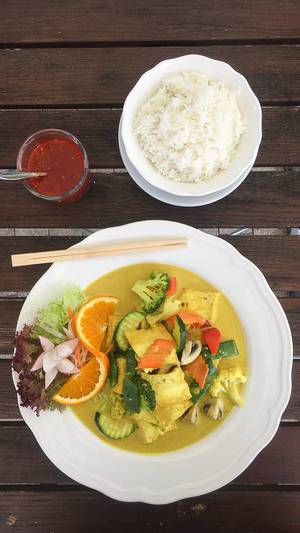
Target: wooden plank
column 292, row 411
column 97, row 129
column 274, row 142
column 124, row 21
column 264, row 190
column 291, row 307
column 9, row 312
column 9, row 409
column 11, row 280
column 271, row 254
column 22, row 460
column 218, row 512
column 110, row 73
column 8, row 398
column 10, row 309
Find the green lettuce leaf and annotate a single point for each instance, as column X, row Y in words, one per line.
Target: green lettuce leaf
column 53, row 318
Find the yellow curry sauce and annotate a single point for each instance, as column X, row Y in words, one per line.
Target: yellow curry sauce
column 118, row 283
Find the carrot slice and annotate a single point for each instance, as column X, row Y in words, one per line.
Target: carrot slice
column 192, row 318
column 172, row 286
column 156, row 354
column 77, row 355
column 199, row 370
column 70, row 313
column 170, row 322
column 73, row 322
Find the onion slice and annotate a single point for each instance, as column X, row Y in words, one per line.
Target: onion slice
column 38, row 363
column 46, row 344
column 66, row 366
column 50, row 376
column 65, row 349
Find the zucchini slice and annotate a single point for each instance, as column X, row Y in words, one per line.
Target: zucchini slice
column 114, row 429
column 179, row 334
column 130, row 321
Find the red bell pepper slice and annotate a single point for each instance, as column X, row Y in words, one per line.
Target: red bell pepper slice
column 212, row 337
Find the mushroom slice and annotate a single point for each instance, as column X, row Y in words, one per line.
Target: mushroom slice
column 190, row 352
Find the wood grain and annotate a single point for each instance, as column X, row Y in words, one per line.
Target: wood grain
column 110, row 73
column 172, row 20
column 22, row 460
column 262, row 190
column 98, row 131
column 271, row 254
column 9, row 409
column 218, row 512
column 266, row 253
column 10, row 309
column 70, row 65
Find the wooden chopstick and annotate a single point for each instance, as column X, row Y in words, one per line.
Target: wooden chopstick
column 87, row 252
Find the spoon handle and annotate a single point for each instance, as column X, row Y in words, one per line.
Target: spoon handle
column 12, row 174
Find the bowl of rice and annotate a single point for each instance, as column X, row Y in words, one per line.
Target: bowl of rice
column 191, row 126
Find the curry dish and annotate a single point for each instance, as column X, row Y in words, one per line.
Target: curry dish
column 177, row 358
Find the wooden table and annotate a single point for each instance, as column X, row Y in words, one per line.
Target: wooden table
column 70, row 64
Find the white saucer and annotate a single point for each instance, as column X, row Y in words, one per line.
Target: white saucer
column 173, row 199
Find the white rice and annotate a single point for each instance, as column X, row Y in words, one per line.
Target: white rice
column 190, row 128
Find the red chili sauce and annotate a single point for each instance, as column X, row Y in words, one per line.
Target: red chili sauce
column 63, row 162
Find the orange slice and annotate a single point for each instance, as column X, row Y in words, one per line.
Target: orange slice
column 92, row 320
column 81, row 387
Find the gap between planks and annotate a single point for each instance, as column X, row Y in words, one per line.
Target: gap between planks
column 84, row 232
column 122, row 170
column 170, row 43
column 116, row 106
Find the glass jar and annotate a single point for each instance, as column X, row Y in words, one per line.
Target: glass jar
column 64, row 159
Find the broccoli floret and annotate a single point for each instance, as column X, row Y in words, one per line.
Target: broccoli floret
column 109, row 402
column 228, row 381
column 101, row 400
column 152, row 291
column 147, row 393
column 169, row 308
column 117, row 408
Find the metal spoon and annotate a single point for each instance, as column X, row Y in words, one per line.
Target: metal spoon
column 13, row 175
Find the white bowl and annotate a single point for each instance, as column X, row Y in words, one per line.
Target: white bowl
column 173, row 199
column 199, row 468
column 247, row 101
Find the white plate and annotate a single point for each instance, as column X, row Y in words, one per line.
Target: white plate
column 248, row 104
column 199, row 468
column 172, row 199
